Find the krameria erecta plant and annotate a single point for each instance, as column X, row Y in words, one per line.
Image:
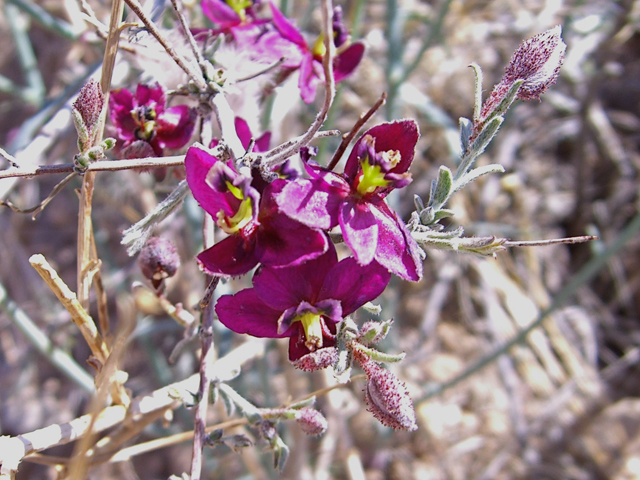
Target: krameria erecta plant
column 319, row 244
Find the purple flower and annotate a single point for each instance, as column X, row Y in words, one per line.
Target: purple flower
column 143, row 118
column 237, row 17
column 355, row 200
column 257, row 231
column 303, row 302
column 287, row 42
column 245, row 136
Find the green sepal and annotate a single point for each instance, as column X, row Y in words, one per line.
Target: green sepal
column 442, row 213
column 466, row 128
column 484, row 138
column 280, row 453
column 307, row 402
column 442, row 190
column 379, row 356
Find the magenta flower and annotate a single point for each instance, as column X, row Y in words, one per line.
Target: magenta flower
column 237, row 17
column 142, row 121
column 257, row 231
column 245, row 136
column 304, row 302
column 287, row 42
column 355, row 200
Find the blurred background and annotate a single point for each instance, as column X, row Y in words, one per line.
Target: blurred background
column 563, row 403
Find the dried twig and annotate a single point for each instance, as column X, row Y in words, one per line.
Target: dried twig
column 274, row 159
column 346, row 139
column 69, row 300
column 179, row 59
column 206, row 363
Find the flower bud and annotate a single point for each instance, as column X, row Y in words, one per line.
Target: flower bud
column 311, row 421
column 89, row 106
column 536, row 63
column 317, row 360
column 158, row 260
column 387, row 396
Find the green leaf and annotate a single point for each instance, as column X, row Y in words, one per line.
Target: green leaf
column 442, row 191
column 477, row 173
column 465, row 132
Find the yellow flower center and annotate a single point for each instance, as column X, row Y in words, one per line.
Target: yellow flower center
column 239, row 7
column 319, row 49
column 371, row 178
column 312, row 329
column 242, row 217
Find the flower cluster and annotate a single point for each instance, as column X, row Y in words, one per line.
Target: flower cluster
column 301, row 290
column 278, row 39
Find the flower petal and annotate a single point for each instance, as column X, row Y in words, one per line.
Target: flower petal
column 283, row 288
column 198, row 163
column 401, row 135
column 286, row 28
column 219, row 12
column 244, row 312
column 151, row 95
column 345, row 63
column 397, row 250
column 175, row 126
column 308, row 78
column 120, row 106
column 232, row 256
column 282, row 241
column 314, row 203
column 353, row 284
column 360, row 229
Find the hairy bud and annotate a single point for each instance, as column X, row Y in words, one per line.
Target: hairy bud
column 317, row 360
column 536, row 63
column 86, row 111
column 387, row 396
column 158, row 260
column 311, row 421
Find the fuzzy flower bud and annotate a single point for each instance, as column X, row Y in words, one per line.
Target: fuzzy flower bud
column 311, row 421
column 317, row 360
column 86, row 112
column 536, row 63
column 158, row 260
column 387, row 396
column 89, row 103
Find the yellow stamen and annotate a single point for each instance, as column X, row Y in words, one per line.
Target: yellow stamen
column 312, row 330
column 242, row 217
column 319, row 48
column 371, row 178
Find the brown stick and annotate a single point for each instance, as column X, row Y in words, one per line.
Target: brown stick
column 346, row 139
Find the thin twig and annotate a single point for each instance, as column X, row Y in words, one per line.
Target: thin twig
column 36, row 209
column 553, row 241
column 179, row 59
column 273, row 160
column 177, row 6
column 206, row 363
column 69, row 300
column 346, row 139
column 267, row 69
column 102, row 166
